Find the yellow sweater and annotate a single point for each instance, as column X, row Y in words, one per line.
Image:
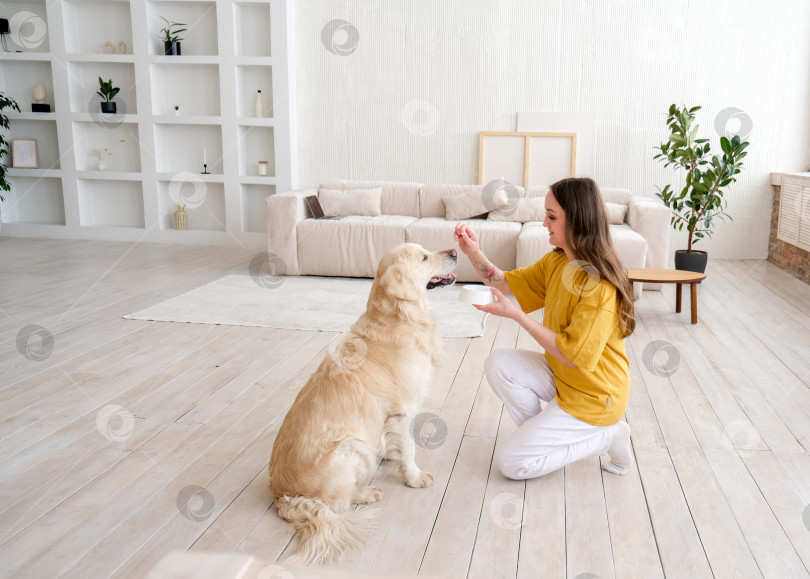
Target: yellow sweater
column 581, row 308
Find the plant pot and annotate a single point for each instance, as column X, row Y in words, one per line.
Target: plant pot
column 108, row 107
column 172, row 48
column 694, row 261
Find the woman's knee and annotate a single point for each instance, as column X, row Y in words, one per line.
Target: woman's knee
column 495, row 367
column 507, row 464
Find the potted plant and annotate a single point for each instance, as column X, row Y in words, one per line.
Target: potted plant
column 107, row 91
column 171, row 36
column 6, row 102
column 701, row 201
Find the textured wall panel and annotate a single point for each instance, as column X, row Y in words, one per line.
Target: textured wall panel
column 401, row 91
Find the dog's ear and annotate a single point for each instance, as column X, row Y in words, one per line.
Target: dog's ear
column 398, row 284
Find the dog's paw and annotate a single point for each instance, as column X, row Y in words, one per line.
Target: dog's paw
column 369, row 495
column 420, row 480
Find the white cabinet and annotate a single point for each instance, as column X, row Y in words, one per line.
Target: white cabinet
column 152, row 154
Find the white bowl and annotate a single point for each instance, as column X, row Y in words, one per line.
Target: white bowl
column 476, row 294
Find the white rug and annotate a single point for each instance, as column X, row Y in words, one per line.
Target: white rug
column 330, row 304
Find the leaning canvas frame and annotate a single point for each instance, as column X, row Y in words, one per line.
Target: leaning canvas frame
column 24, row 154
column 510, row 153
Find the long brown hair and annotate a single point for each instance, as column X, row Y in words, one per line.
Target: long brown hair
column 588, row 236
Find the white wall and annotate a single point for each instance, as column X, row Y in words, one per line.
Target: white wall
column 407, row 100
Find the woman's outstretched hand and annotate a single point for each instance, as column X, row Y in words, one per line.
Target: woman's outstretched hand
column 502, row 306
column 466, row 239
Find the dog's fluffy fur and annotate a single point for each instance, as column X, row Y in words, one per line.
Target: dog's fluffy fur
column 358, row 407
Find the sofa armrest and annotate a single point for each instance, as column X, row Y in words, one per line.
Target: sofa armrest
column 651, row 219
column 284, row 212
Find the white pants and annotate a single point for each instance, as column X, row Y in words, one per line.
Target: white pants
column 547, row 438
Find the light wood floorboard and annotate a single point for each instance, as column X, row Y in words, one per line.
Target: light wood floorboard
column 131, row 439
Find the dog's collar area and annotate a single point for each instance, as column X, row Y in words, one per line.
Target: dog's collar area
column 442, row 281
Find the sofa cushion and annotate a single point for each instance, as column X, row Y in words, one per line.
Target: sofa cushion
column 398, row 198
column 346, row 202
column 616, row 213
column 472, row 204
column 526, row 209
column 497, row 240
column 348, row 246
column 431, row 197
column 616, row 195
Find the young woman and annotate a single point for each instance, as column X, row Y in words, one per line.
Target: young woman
column 584, row 375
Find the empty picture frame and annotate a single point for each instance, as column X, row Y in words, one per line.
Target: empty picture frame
column 533, row 159
column 24, row 154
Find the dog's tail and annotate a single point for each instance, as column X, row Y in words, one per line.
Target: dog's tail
column 325, row 533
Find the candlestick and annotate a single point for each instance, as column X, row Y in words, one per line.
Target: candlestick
column 205, row 156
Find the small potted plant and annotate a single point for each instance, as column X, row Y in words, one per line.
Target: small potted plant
column 171, row 36
column 177, row 110
column 701, row 201
column 107, row 91
column 6, row 102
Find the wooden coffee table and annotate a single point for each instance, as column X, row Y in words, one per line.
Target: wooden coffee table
column 675, row 276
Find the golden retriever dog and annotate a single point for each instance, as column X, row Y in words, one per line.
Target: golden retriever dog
column 357, row 408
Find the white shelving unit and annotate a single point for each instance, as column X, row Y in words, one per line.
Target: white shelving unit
column 232, row 49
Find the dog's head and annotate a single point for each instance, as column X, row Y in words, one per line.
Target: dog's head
column 409, row 269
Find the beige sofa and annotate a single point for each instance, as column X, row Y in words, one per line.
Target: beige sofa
column 352, row 245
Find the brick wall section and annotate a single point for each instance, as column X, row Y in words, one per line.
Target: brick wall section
column 790, row 258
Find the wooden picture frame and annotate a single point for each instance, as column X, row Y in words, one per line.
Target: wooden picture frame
column 514, row 160
column 24, row 154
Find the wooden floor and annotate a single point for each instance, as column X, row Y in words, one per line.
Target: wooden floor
column 123, row 440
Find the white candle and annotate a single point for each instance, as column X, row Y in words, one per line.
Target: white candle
column 205, row 157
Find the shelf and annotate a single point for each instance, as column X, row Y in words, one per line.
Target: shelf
column 208, row 178
column 228, row 54
column 256, row 144
column 258, row 180
column 204, row 201
column 201, row 20
column 180, row 147
column 46, row 136
column 15, row 116
column 194, row 88
column 172, row 60
column 110, row 202
column 187, row 120
column 250, row 80
column 253, row 22
column 110, row 175
column 28, row 26
column 102, row 58
column 35, row 199
column 81, row 37
column 84, row 84
column 26, row 56
column 34, row 173
column 18, row 79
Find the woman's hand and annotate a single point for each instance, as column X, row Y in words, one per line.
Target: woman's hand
column 502, row 306
column 466, row 239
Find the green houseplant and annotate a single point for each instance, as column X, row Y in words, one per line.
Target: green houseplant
column 171, row 36
column 107, row 91
column 701, row 202
column 6, row 102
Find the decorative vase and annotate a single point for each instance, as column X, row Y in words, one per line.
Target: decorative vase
column 122, row 47
column 101, row 165
column 108, row 48
column 108, row 107
column 172, row 48
column 694, row 261
column 259, row 106
column 180, row 218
